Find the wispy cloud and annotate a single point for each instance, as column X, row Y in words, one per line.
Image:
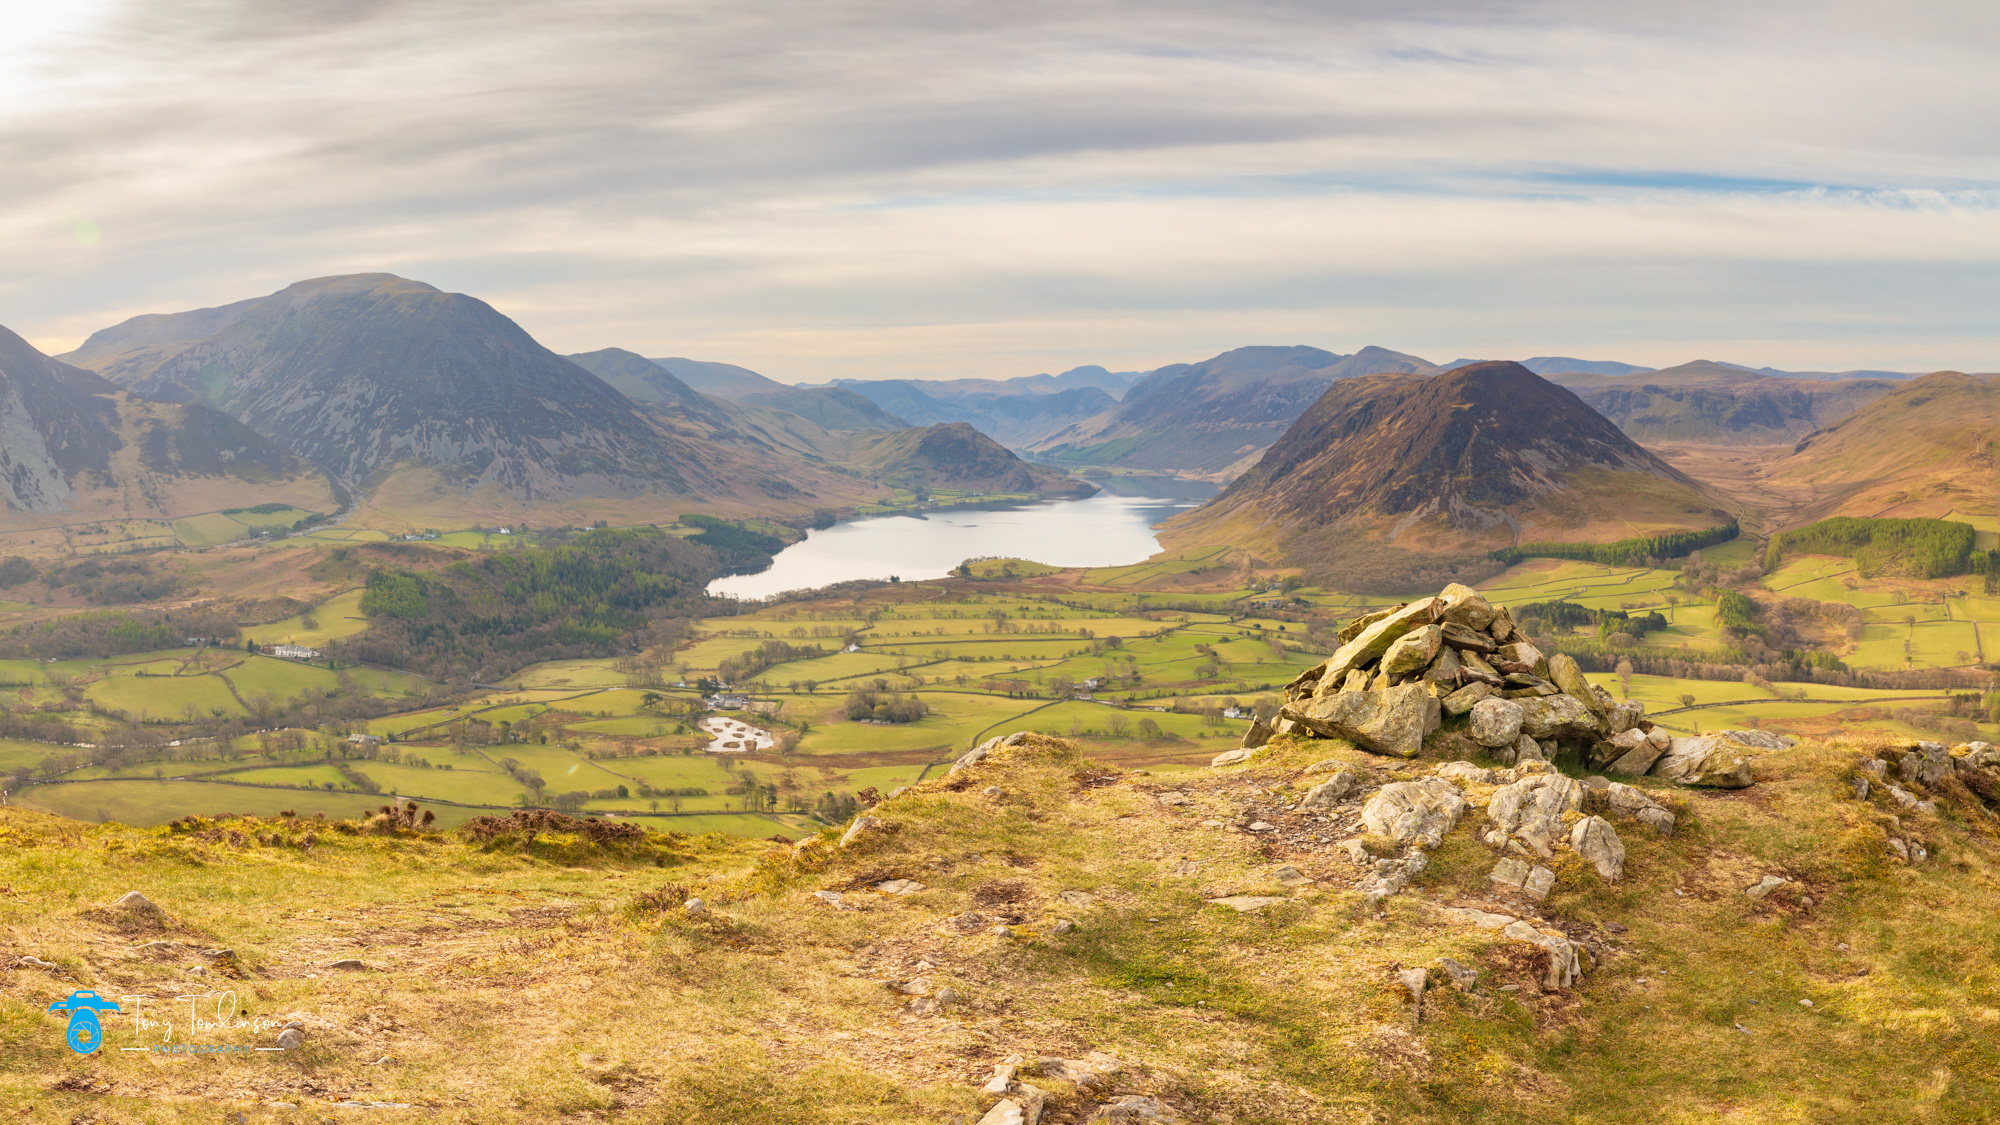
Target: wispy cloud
column 853, row 187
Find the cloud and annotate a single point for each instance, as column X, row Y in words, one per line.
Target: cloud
column 845, row 188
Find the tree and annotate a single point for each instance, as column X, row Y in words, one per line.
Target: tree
column 1910, row 619
column 1686, row 700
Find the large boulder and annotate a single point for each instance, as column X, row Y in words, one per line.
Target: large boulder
column 1532, row 808
column 1711, row 760
column 1638, row 751
column 1635, row 803
column 1411, row 652
column 1495, row 723
column 1564, row 673
column 1926, row 764
column 1463, row 605
column 1521, row 657
column 1415, row 812
column 1465, row 698
column 1556, row 716
column 1374, row 640
column 1595, row 840
column 1390, row 721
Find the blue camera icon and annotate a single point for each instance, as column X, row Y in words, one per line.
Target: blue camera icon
column 85, row 1033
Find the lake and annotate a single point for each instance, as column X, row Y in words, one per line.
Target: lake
column 1103, row 530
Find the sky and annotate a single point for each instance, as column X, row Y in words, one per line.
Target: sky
column 942, row 189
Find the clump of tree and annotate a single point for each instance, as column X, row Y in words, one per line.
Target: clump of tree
column 1918, row 548
column 738, row 545
column 112, row 633
column 886, row 707
column 114, row 581
column 605, row 592
column 1623, row 552
column 743, row 667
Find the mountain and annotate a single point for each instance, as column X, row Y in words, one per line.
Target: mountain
column 1485, row 456
column 1925, row 448
column 75, row 446
column 652, row 385
column 1215, row 416
column 1012, row 412
column 1551, row 364
column 954, row 455
column 1113, row 383
column 1720, row 404
column 364, row 373
column 723, row 380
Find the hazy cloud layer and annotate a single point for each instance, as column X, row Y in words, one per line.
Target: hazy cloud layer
column 850, row 188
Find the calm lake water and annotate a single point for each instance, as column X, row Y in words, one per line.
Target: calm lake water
column 1104, row 530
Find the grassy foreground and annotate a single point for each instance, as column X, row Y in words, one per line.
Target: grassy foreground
column 542, row 976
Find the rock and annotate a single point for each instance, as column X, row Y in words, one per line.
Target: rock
column 899, row 886
column 1392, row 721
column 1356, row 852
column 1081, row 900
column 1064, row 926
column 993, row 792
column 347, row 964
column 1635, row 803
column 1232, row 757
column 1481, row 918
column 915, row 986
column 1473, row 667
column 833, row 899
column 1876, row 766
column 1764, row 887
column 1860, row 788
column 1495, row 722
column 1762, row 739
column 291, row 1039
column 1413, row 651
column 1094, row 1072
column 1528, row 750
column 1541, row 881
column 1564, row 673
column 1262, row 826
column 1510, row 872
column 136, row 903
column 1419, row 812
column 1595, row 840
column 1133, row 1108
column 1624, row 715
column 1532, row 809
column 1520, row 657
column 1926, row 764
column 1901, row 849
column 1463, row 700
column 1638, row 752
column 1005, row 1112
column 1565, row 967
column 1392, row 875
column 1462, row 978
column 1256, row 736
column 974, row 756
column 1556, row 716
column 1466, row 772
column 1709, row 759
column 1247, row 904
column 695, row 907
column 1330, row 792
column 1468, row 641
column 1001, row 1082
column 1372, row 641
column 1444, row 670
column 1290, row 876
column 1503, row 629
column 862, row 826
column 1414, row 980
column 1463, row 605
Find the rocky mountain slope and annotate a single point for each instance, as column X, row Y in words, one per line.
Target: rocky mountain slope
column 1719, row 403
column 1217, row 416
column 366, row 372
column 954, row 455
column 1016, row 415
column 1483, row 456
column 73, row 446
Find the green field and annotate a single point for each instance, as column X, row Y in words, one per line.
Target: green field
column 335, row 618
column 165, row 697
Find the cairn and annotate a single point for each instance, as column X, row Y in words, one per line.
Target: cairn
column 1399, row 672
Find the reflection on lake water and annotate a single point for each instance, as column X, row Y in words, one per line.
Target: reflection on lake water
column 1104, row 530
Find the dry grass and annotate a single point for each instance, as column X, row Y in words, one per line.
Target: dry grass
column 557, row 981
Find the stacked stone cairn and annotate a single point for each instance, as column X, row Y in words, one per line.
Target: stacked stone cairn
column 1399, row 672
